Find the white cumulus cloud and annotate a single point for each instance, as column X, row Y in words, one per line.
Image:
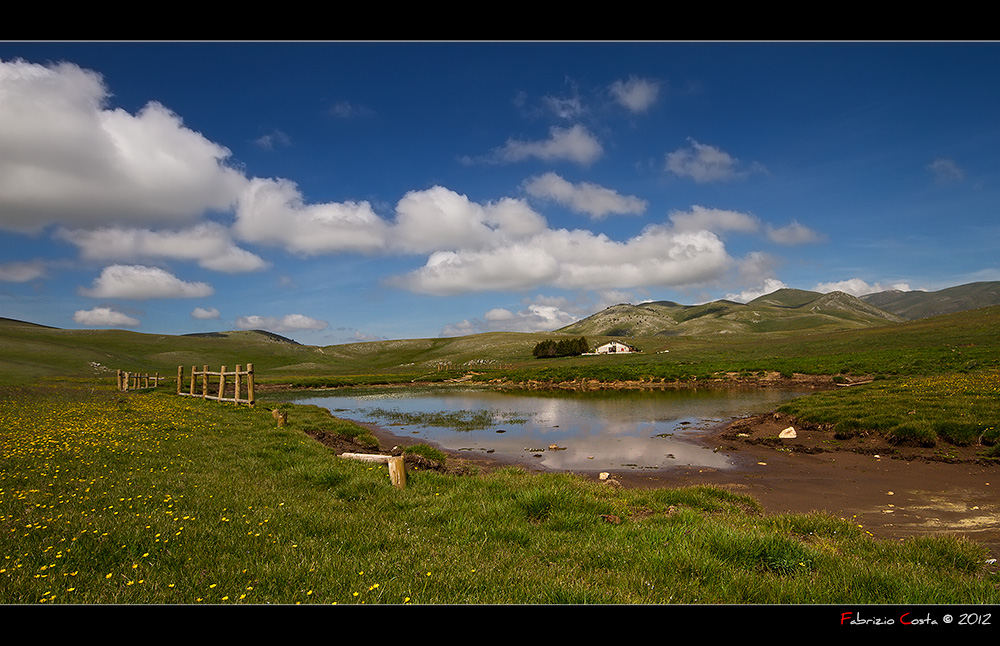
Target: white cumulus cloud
column 536, row 317
column 636, row 94
column 287, row 323
column 769, row 286
column 67, row 157
column 859, row 287
column 439, row 218
column 22, row 272
column 142, row 282
column 104, row 317
column 575, row 144
column 591, row 199
column 793, row 234
column 273, row 212
column 575, row 260
column 704, row 163
column 700, row 218
column 208, row 244
column 205, row 313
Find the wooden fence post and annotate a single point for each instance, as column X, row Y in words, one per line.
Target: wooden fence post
column 250, row 383
column 222, row 381
column 236, row 384
column 397, row 472
column 204, row 382
column 180, row 378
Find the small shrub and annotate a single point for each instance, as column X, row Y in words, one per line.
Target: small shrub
column 958, row 433
column 846, row 429
column 912, row 433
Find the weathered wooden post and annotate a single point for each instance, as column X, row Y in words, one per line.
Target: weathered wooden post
column 250, row 383
column 222, row 381
column 397, row 465
column 397, row 472
column 180, row 378
column 204, row 382
column 119, row 379
column 236, row 384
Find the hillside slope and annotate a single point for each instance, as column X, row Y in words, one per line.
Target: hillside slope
column 919, row 304
column 784, row 311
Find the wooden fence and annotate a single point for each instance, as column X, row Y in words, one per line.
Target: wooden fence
column 217, row 385
column 136, row 381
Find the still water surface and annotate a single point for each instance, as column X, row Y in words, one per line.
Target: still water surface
column 594, row 431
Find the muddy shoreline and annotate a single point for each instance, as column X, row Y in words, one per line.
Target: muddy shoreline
column 893, row 492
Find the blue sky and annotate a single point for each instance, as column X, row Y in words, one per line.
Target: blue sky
column 340, row 192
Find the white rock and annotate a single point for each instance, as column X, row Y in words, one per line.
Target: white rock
column 787, row 433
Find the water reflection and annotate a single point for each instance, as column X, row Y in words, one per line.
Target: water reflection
column 593, row 431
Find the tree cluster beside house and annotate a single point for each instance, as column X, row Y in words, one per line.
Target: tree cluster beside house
column 561, row 348
column 575, row 347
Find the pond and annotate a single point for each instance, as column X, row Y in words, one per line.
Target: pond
column 590, row 431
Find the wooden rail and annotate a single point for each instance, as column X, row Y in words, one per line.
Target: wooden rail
column 136, row 381
column 221, row 389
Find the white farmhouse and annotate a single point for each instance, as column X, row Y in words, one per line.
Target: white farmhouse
column 615, row 347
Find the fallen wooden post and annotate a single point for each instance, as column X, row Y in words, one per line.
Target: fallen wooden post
column 397, row 467
column 367, row 457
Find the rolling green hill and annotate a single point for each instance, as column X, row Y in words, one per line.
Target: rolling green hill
column 919, row 304
column 786, row 311
column 851, row 342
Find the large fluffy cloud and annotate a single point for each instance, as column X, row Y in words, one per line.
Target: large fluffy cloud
column 208, row 244
column 273, row 212
column 596, row 201
column 141, row 282
column 575, row 260
column 440, row 219
column 66, row 157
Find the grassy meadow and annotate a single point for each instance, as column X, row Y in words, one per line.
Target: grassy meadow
column 145, row 497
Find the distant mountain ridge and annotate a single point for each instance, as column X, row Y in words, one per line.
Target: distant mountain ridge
column 919, row 304
column 783, row 311
column 248, row 334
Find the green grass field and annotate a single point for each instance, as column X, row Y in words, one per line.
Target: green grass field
column 126, row 498
column 146, row 497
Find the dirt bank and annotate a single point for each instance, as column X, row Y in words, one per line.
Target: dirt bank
column 893, row 492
